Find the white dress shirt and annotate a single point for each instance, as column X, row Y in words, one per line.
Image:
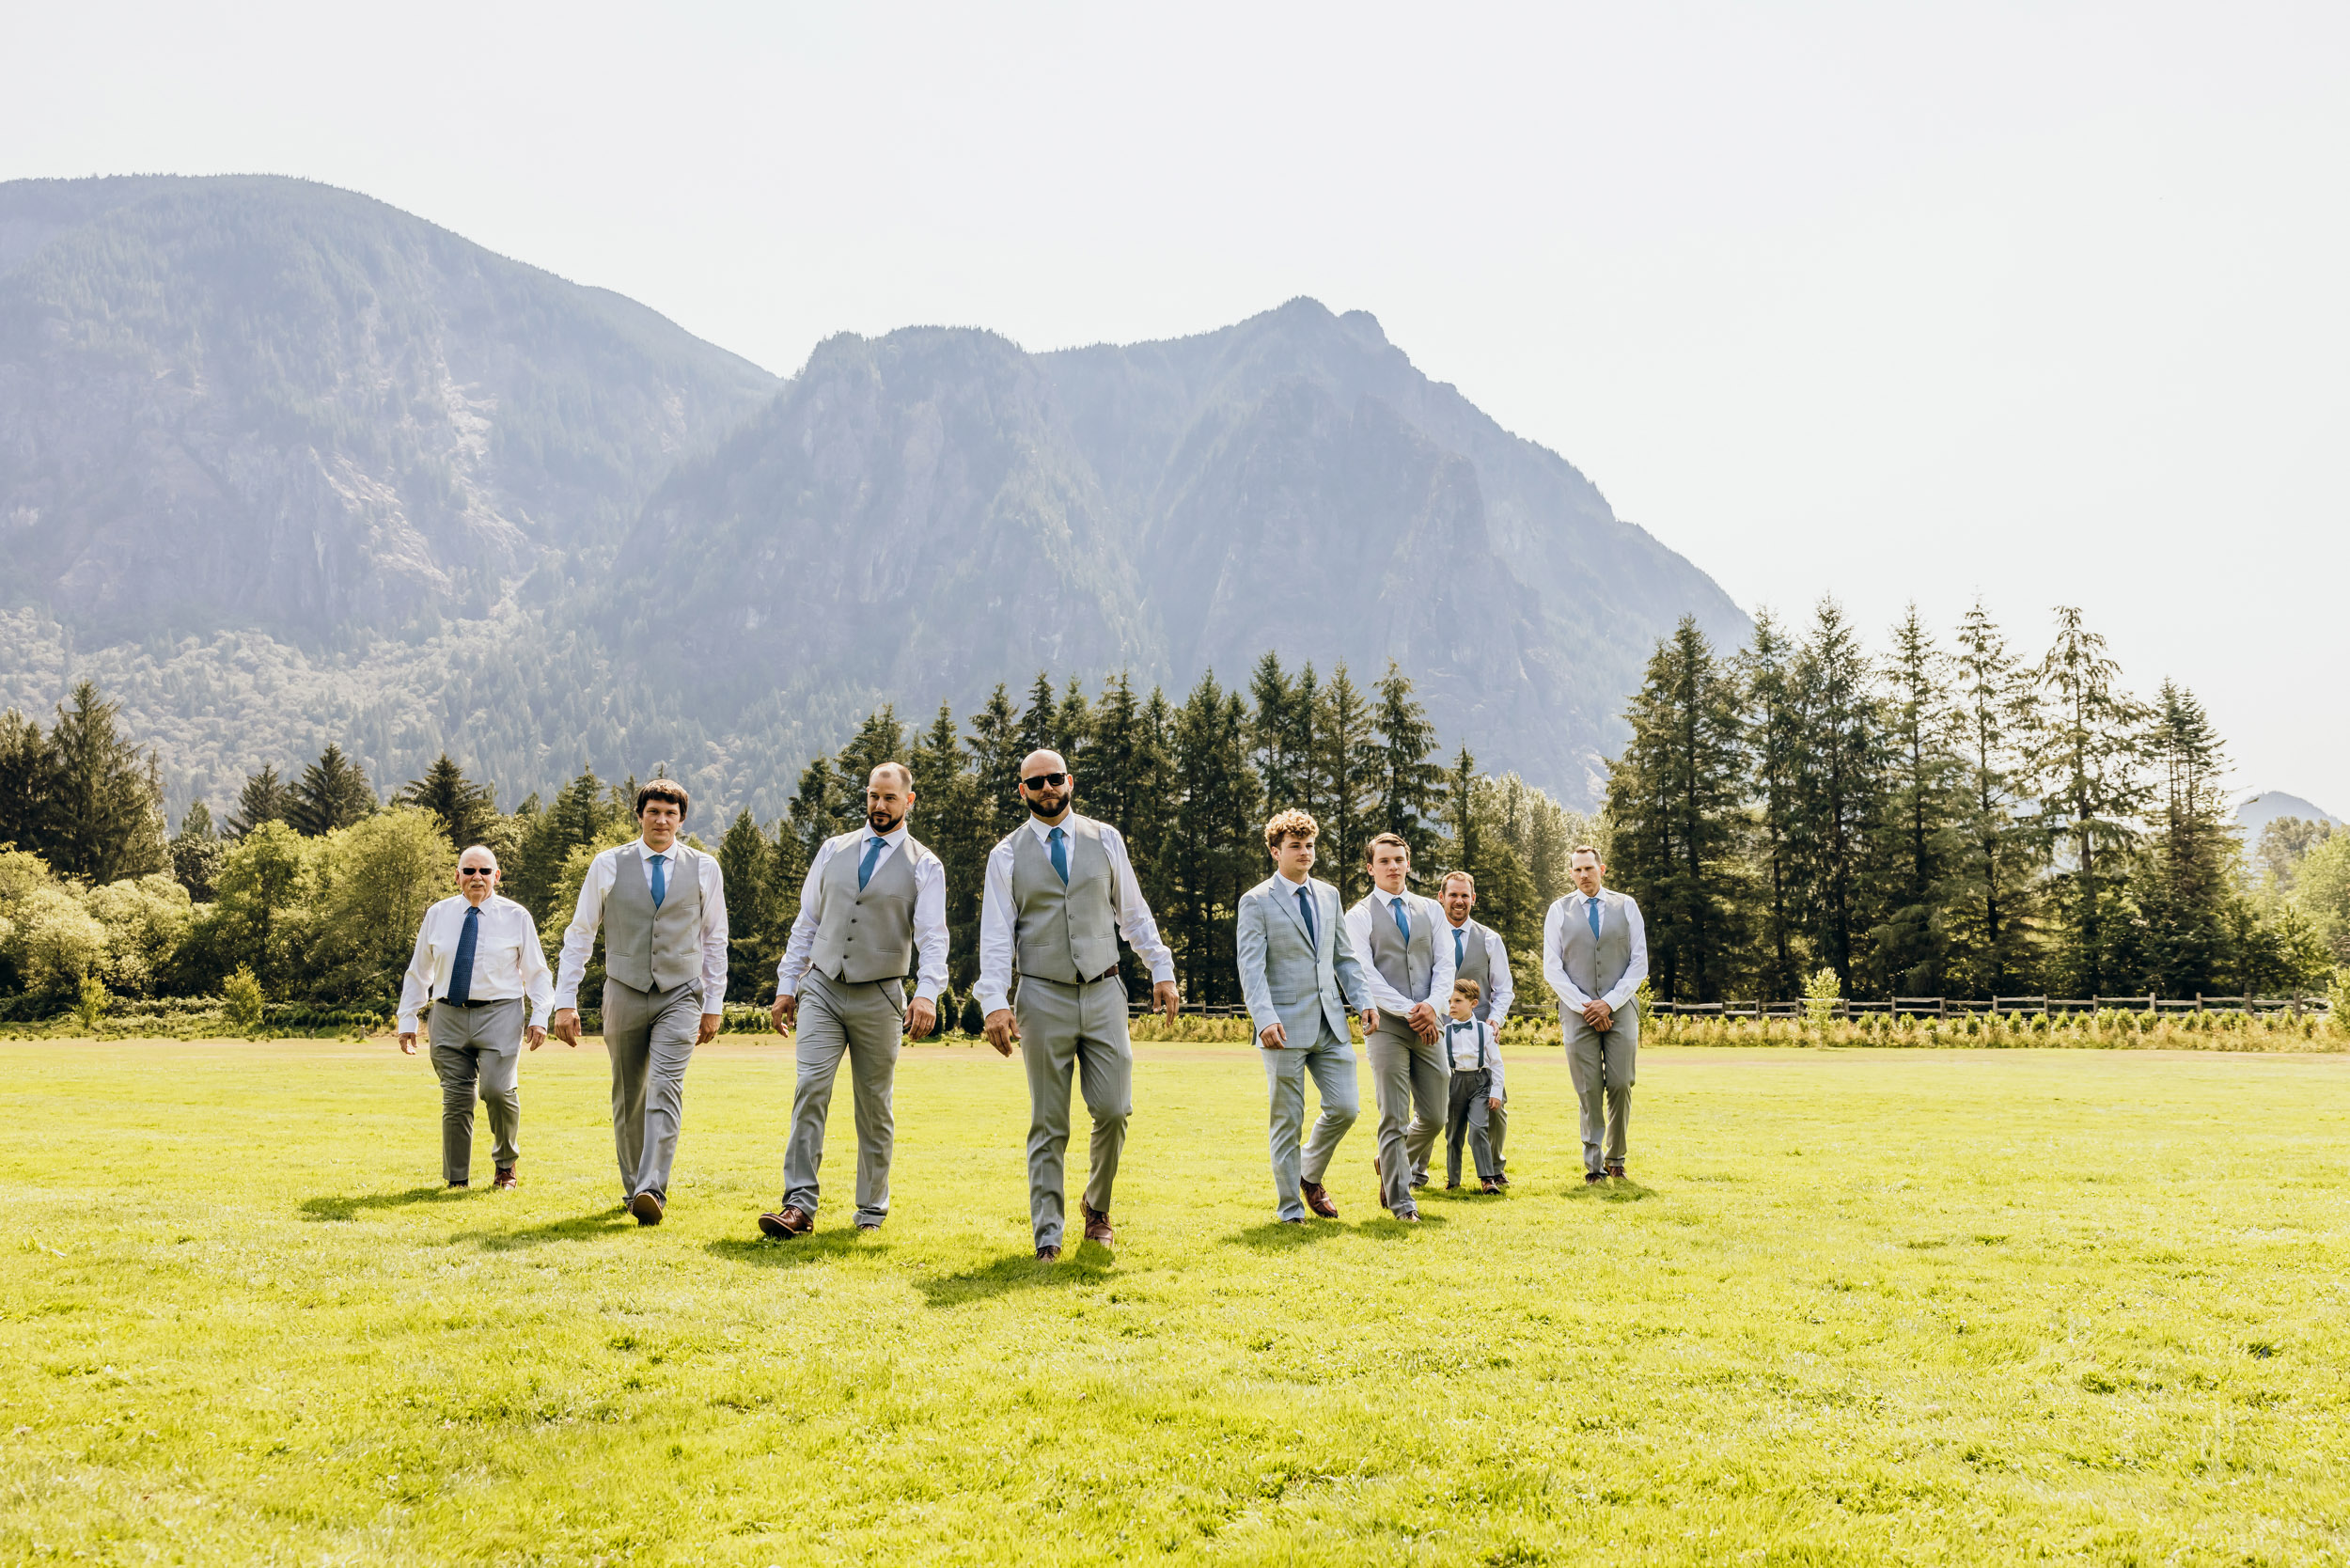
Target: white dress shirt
column 930, row 912
column 1388, row 1000
column 1133, row 914
column 1575, row 906
column 579, row 937
column 507, row 961
column 1500, row 989
column 1461, row 1040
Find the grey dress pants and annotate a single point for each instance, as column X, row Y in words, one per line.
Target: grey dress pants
column 478, row 1051
column 1084, row 1027
column 864, row 1023
column 1330, row 1062
column 650, row 1036
column 1410, row 1076
column 1603, row 1067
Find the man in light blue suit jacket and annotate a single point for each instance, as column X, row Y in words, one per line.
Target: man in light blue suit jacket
column 1301, row 979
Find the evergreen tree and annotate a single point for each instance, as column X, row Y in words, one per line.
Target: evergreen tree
column 1674, row 795
column 264, row 798
column 1275, row 733
column 332, row 792
column 582, row 811
column 1992, row 888
column 28, row 782
column 1916, row 835
column 467, row 810
column 1302, row 746
column 2092, row 795
column 1040, row 722
column 1839, row 789
column 1774, row 729
column 1346, row 768
column 1074, row 722
column 996, row 751
column 880, row 739
column 2185, row 887
column 196, row 853
column 107, row 818
column 752, row 949
column 1410, row 784
column 814, row 811
column 1214, row 847
column 948, row 819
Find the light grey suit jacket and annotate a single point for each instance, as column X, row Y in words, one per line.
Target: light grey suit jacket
column 1288, row 981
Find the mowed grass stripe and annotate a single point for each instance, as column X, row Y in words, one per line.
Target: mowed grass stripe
column 1937, row 1306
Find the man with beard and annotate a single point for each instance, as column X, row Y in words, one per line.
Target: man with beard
column 872, row 899
column 1060, row 891
column 1410, row 971
column 1595, row 956
column 1478, row 954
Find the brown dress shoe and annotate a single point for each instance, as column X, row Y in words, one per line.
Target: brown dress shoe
column 1048, row 1254
column 1098, row 1225
column 645, row 1206
column 1493, row 1187
column 505, row 1178
column 1615, row 1168
column 790, row 1222
column 1317, row 1198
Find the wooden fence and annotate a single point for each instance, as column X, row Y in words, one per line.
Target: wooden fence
column 1911, row 1007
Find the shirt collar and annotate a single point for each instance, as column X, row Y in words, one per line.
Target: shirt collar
column 1043, row 830
column 895, row 838
column 1294, row 887
column 645, row 852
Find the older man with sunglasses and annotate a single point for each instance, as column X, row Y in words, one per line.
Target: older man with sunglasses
column 1060, row 891
column 478, row 963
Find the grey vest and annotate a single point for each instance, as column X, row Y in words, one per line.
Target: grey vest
column 1070, row 934
column 1596, row 963
column 1407, row 970
column 1473, row 963
column 866, row 935
column 647, row 948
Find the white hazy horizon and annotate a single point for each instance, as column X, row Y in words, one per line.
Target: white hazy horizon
column 2036, row 303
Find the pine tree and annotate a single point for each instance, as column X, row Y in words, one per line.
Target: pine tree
column 107, row 822
column 948, row 818
column 1072, row 721
column 28, row 782
column 2092, row 795
column 1674, row 795
column 1274, row 732
column 196, row 853
column 1302, row 745
column 466, row 809
column 332, row 792
column 1774, row 742
column 997, row 750
column 1992, row 888
column 2185, row 888
column 1409, row 783
column 1040, row 722
column 582, row 812
column 264, row 798
column 1346, row 768
column 1839, row 789
column 1214, row 850
column 751, row 946
column 1911, row 861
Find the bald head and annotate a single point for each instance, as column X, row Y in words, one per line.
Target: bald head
column 1047, row 785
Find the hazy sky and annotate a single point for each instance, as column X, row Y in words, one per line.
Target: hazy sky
column 2041, row 302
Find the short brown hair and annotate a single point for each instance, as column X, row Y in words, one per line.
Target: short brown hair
column 1292, row 824
column 1372, row 848
column 1591, row 850
column 1462, row 876
column 1469, row 988
column 664, row 789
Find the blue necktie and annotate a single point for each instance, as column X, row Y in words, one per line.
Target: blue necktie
column 1402, row 921
column 865, row 868
column 1591, row 907
column 1306, row 907
column 1457, row 934
column 461, row 969
column 1060, row 856
column 660, row 881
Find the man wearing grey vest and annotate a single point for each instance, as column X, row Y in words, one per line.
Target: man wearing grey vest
column 1060, row 891
column 663, row 907
column 1478, row 954
column 872, row 899
column 1595, row 956
column 1410, row 974
column 1301, row 979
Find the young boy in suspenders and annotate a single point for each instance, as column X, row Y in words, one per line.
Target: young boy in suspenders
column 1474, row 1052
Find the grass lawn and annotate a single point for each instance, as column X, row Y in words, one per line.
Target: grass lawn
column 1853, row 1306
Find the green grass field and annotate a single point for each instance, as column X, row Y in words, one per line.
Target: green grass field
column 1854, row 1307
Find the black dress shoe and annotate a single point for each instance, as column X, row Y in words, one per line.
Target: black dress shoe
column 454, row 1185
column 1593, row 1178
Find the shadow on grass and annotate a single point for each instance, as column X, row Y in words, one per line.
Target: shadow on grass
column 1615, row 1190
column 1280, row 1236
column 766, row 1252
column 332, row 1208
column 1089, row 1263
column 603, row 1222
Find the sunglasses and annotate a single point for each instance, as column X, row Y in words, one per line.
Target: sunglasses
column 1044, row 781
column 476, row 871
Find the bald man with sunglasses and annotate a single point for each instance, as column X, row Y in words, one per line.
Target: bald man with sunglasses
column 1060, row 891
column 478, row 963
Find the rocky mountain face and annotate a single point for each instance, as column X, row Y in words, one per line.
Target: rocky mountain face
column 280, row 464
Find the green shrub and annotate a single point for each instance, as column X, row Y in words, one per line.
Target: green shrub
column 241, row 998
column 91, row 1006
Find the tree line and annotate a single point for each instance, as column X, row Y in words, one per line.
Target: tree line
column 315, row 884
column 1952, row 820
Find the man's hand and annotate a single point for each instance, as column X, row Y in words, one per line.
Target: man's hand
column 1273, row 1037
column 785, row 1012
column 1491, row 1103
column 1164, row 999
column 1423, row 1021
column 1599, row 1015
column 566, row 1026
column 537, row 1035
column 1371, row 1022
column 408, row 1042
column 1002, row 1029
column 921, row 1017
column 709, row 1031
